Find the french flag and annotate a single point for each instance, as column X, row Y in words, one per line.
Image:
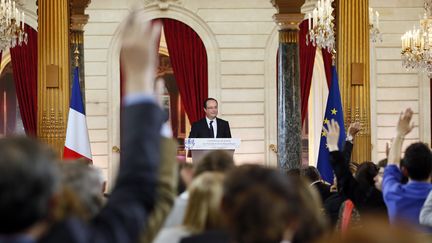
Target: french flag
column 77, row 144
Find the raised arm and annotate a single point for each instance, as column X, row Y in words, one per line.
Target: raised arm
column 132, row 199
column 345, row 179
column 404, row 126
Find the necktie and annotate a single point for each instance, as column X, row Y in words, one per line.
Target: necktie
column 211, row 130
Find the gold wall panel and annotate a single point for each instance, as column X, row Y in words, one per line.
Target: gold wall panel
column 53, row 49
column 353, row 47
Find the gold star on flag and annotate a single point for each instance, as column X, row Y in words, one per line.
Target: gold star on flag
column 323, row 134
column 334, row 111
column 326, row 121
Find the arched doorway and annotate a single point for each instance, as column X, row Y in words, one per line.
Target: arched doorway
column 10, row 117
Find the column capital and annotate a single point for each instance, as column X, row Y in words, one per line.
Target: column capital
column 288, row 21
column 78, row 17
column 308, row 6
column 78, row 21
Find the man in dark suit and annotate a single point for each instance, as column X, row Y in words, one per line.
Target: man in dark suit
column 210, row 126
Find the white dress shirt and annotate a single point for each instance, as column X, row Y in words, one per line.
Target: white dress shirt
column 214, row 124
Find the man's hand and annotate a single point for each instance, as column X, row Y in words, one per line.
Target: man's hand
column 332, row 132
column 139, row 54
column 404, row 125
column 354, row 128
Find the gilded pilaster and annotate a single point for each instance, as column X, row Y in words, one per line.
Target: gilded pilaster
column 354, row 70
column 53, row 71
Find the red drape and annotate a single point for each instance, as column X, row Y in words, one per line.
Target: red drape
column 327, row 57
column 307, row 60
column 24, row 64
column 189, row 61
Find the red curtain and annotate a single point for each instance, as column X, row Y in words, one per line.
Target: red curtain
column 307, row 60
column 24, row 64
column 189, row 61
column 328, row 60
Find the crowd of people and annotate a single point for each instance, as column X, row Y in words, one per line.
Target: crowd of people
column 46, row 200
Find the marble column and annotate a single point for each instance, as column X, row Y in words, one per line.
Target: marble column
column 289, row 115
column 53, row 72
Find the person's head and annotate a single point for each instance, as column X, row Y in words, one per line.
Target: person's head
column 255, row 204
column 311, row 223
column 418, row 161
column 203, row 209
column 379, row 178
column 29, row 180
column 366, row 173
column 86, row 184
column 211, row 108
column 215, row 161
column 311, row 173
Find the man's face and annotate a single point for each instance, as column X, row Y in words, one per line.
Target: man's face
column 211, row 110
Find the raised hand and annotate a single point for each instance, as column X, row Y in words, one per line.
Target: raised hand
column 404, row 125
column 332, row 132
column 354, row 128
column 139, row 40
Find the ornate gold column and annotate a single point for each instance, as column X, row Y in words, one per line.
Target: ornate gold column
column 53, row 71
column 354, row 70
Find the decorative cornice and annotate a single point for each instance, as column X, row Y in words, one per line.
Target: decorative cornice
column 288, row 21
column 163, row 4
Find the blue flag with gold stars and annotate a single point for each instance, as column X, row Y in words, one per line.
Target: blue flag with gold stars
column 333, row 111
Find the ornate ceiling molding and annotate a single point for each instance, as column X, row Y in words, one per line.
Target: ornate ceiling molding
column 163, row 4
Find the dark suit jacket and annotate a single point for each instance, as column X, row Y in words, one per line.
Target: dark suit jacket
column 200, row 129
column 323, row 190
column 132, row 200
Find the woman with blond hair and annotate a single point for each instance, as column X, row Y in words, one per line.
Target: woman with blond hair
column 203, row 209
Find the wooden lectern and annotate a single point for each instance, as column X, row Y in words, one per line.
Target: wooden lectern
column 199, row 147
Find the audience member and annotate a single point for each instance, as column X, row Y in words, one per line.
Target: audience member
column 203, row 209
column 314, row 177
column 360, row 190
column 262, row 205
column 166, row 186
column 404, row 202
column 217, row 161
column 426, row 212
column 82, row 190
column 29, row 182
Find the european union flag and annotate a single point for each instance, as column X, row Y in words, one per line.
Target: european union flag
column 333, row 111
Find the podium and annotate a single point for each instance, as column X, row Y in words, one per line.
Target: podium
column 199, row 147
